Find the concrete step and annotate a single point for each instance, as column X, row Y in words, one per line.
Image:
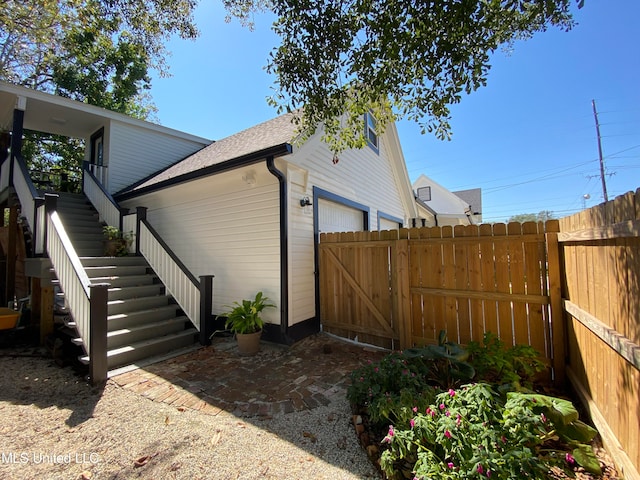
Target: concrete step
column 148, row 331
column 129, row 260
column 119, row 321
column 132, row 305
column 129, row 354
column 116, row 270
column 126, row 280
column 122, row 293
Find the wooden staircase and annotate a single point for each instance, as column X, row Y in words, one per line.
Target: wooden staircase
column 143, row 322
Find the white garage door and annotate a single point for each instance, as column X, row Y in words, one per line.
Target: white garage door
column 335, row 217
column 387, row 224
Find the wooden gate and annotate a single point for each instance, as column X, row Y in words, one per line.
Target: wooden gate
column 398, row 289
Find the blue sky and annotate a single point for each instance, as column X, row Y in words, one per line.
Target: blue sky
column 528, row 138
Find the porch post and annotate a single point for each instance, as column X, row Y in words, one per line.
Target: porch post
column 17, row 132
column 206, row 303
column 50, row 205
column 12, row 253
column 141, row 214
column 98, row 366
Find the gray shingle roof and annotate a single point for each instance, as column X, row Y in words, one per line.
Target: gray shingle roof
column 274, row 132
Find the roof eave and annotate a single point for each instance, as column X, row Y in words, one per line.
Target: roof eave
column 238, row 162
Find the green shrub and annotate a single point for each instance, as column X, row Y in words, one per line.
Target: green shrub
column 473, row 432
column 494, row 363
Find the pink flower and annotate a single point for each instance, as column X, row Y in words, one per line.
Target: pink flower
column 448, row 413
column 458, row 420
column 543, row 417
column 415, row 409
column 452, row 392
column 488, row 473
column 376, row 369
column 480, row 469
column 442, row 406
column 390, row 431
column 447, row 433
column 569, row 458
column 412, row 422
column 450, row 464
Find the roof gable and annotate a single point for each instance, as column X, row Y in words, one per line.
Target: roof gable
column 281, row 130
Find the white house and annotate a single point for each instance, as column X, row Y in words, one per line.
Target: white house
column 445, row 207
column 250, row 208
column 247, row 209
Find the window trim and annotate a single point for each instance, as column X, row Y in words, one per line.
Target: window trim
column 370, row 127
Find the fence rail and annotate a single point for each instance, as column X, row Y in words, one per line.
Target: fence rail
column 601, row 252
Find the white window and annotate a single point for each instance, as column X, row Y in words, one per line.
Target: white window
column 371, row 132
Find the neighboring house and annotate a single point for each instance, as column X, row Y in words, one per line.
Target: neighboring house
column 473, row 197
column 444, row 207
column 247, row 209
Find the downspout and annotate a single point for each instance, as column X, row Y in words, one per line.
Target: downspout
column 284, row 249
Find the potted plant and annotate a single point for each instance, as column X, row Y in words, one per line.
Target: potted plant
column 244, row 321
column 116, row 243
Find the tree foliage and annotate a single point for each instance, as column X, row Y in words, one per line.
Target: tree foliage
column 541, row 216
column 396, row 58
column 98, row 52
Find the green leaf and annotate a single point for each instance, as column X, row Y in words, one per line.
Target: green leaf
column 586, row 458
column 577, row 431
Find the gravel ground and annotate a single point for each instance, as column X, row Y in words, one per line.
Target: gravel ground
column 54, row 426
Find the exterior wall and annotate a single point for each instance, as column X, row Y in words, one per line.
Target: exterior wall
column 449, row 207
column 227, row 226
column 133, row 153
column 302, row 305
column 361, row 176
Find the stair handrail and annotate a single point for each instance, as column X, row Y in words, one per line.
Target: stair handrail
column 108, row 209
column 194, row 296
column 87, row 301
column 31, row 203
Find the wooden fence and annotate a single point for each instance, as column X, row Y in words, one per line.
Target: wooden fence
column 600, row 248
column 398, row 289
column 569, row 288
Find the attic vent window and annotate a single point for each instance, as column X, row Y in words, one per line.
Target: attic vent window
column 371, row 132
column 424, row 194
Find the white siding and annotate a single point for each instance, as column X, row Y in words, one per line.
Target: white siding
column 361, row 176
column 134, row 153
column 301, row 254
column 220, row 225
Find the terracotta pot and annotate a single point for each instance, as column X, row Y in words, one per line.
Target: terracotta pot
column 249, row 343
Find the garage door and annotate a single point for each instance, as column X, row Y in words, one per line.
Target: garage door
column 335, row 217
column 388, row 224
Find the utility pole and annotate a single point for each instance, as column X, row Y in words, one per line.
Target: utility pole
column 602, row 177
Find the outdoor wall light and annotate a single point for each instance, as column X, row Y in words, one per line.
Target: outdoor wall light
column 305, row 201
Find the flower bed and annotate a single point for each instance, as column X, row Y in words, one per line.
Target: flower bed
column 448, row 412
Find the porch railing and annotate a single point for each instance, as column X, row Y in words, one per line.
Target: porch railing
column 107, row 208
column 31, row 203
column 194, row 296
column 87, row 302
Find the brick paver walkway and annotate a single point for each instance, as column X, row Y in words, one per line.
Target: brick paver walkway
column 278, row 379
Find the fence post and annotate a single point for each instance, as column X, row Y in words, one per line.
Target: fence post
column 141, row 214
column 206, row 302
column 402, row 294
column 98, row 366
column 555, row 300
